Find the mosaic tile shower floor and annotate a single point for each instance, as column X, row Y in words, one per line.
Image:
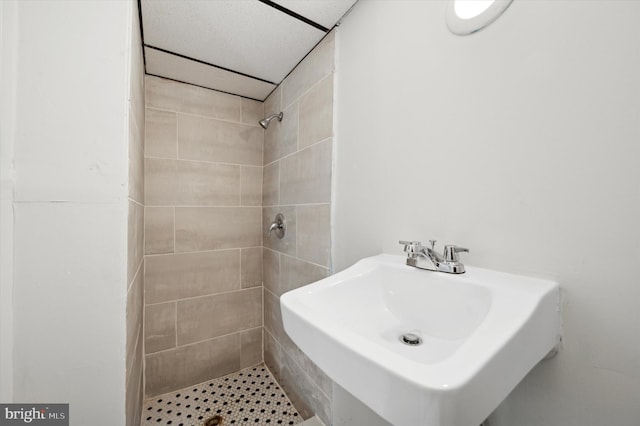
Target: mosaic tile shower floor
column 249, row 397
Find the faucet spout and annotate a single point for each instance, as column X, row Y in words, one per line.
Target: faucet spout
column 420, row 256
column 423, row 257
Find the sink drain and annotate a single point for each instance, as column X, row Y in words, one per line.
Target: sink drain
column 411, row 339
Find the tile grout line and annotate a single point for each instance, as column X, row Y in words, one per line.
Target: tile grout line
column 135, row 275
column 279, row 279
column 240, row 186
column 297, row 258
column 200, row 251
column 129, row 367
column 177, row 137
column 262, row 189
column 202, row 341
column 202, row 296
column 207, row 206
column 190, row 160
column 133, row 200
column 298, row 127
column 174, row 230
column 305, row 261
column 326, row 203
column 240, row 263
column 295, row 245
column 299, row 151
column 279, row 182
column 176, row 323
column 155, row 108
column 311, row 88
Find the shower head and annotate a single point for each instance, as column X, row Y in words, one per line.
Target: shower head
column 265, row 122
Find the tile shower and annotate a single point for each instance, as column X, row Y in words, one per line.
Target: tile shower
column 203, row 178
column 214, row 180
column 297, row 183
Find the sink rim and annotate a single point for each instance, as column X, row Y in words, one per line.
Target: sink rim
column 506, row 316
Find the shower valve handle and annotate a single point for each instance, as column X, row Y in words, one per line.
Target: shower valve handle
column 273, row 227
column 278, row 226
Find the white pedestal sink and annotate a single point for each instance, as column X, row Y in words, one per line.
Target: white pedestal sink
column 481, row 332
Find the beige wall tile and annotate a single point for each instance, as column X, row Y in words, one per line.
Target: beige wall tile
column 298, row 183
column 158, row 230
column 135, row 263
column 273, row 322
column 211, row 228
column 135, row 239
column 271, row 270
column 272, row 354
column 271, row 184
column 274, row 327
column 173, row 96
column 281, row 138
column 187, row 365
column 305, row 177
column 288, row 243
column 177, row 276
column 314, row 233
column 136, row 159
column 252, row 111
column 160, row 327
column 219, row 141
column 316, row 114
column 190, row 183
column 211, row 316
column 295, row 273
column 317, row 376
column 272, row 315
column 316, row 66
column 273, row 104
column 251, row 274
column 250, row 186
column 134, row 386
column 135, row 309
column 305, row 395
column 161, row 138
column 250, row 347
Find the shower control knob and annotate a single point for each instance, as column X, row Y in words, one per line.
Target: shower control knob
column 278, row 226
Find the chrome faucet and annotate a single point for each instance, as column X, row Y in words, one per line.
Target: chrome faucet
column 423, row 257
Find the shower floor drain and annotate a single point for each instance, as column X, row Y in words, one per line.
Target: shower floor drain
column 249, row 397
column 214, row 421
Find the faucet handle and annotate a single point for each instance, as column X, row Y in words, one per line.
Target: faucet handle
column 451, row 253
column 410, row 246
column 433, row 244
column 410, row 243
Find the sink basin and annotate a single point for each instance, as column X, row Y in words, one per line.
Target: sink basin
column 481, row 332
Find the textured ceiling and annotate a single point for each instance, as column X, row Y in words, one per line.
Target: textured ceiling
column 244, row 47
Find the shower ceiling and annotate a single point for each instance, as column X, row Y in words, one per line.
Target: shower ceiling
column 243, row 47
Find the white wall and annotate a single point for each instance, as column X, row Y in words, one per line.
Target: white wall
column 8, row 42
column 72, row 86
column 521, row 142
